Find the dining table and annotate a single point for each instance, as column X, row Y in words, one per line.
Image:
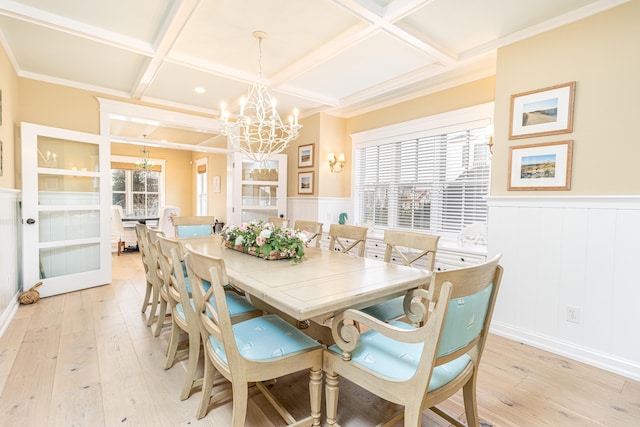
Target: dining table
column 320, row 285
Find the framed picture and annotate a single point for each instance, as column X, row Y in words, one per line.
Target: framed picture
column 305, row 156
column 0, row 158
column 547, row 111
column 540, row 166
column 305, row 182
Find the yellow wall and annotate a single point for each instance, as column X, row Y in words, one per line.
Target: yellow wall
column 178, row 176
column 602, row 55
column 10, row 120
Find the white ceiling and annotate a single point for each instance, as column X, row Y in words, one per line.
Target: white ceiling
column 343, row 57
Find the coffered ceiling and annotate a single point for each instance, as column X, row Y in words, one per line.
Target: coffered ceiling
column 343, row 57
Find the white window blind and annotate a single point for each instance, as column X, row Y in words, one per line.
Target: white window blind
column 433, row 181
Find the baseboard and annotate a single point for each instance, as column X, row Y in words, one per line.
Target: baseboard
column 8, row 314
column 600, row 360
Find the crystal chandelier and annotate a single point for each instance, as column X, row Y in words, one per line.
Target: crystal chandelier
column 144, row 163
column 258, row 130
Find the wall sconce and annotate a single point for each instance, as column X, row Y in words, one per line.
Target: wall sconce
column 336, row 165
column 490, row 136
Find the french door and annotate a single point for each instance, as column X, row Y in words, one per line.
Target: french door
column 259, row 190
column 66, row 189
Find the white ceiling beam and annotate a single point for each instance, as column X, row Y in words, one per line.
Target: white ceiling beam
column 168, row 34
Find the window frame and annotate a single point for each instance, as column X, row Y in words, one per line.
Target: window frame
column 129, row 191
column 474, row 117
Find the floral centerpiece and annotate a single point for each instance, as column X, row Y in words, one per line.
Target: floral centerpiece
column 265, row 240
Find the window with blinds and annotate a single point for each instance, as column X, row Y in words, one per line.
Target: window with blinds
column 431, row 181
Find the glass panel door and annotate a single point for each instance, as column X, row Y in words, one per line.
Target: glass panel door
column 260, row 188
column 65, row 209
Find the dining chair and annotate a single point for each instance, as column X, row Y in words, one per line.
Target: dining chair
column 165, row 221
column 154, row 262
column 406, row 248
column 279, row 222
column 419, row 367
column 152, row 296
column 119, row 234
column 183, row 312
column 313, row 229
column 344, row 238
column 191, row 226
column 142, row 234
column 252, row 351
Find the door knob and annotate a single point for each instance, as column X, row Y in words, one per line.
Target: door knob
column 31, row 221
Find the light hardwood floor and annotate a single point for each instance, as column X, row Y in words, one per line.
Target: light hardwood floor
column 87, row 359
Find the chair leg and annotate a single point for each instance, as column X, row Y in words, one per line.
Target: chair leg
column 240, row 402
column 154, row 305
column 194, row 356
column 331, row 396
column 315, row 394
column 207, row 387
column 470, row 402
column 147, row 295
column 161, row 316
column 173, row 345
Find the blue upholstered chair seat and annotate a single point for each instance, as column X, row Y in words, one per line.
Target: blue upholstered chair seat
column 398, row 361
column 387, row 310
column 264, row 338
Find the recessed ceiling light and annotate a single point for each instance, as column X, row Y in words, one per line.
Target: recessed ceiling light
column 200, row 90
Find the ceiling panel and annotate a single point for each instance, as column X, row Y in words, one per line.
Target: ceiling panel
column 58, row 55
column 373, row 61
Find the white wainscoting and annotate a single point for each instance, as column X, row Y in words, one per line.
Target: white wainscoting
column 9, row 261
column 326, row 210
column 561, row 252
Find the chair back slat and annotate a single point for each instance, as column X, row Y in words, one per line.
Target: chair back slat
column 402, row 243
column 279, row 222
column 348, row 237
column 313, row 229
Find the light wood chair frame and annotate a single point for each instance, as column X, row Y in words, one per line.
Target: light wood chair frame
column 338, row 233
column 154, row 262
column 239, row 371
column 412, row 394
column 314, row 230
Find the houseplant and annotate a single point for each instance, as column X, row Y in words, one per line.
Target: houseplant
column 265, row 240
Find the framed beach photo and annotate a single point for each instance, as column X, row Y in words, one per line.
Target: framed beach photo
column 305, row 182
column 547, row 111
column 305, row 156
column 540, row 166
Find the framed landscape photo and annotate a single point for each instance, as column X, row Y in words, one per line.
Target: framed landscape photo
column 547, row 111
column 540, row 166
column 305, row 156
column 305, row 182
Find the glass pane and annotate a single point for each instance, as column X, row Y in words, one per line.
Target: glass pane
column 69, row 225
column 117, row 180
column 70, row 155
column 119, row 199
column 152, row 181
column 152, row 205
column 260, row 171
column 68, row 190
column 65, row 260
column 249, row 215
column 259, row 195
column 139, row 204
column 139, row 179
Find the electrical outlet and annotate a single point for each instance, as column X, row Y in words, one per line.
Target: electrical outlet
column 573, row 314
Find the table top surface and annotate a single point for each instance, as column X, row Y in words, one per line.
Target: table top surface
column 323, row 283
column 140, row 218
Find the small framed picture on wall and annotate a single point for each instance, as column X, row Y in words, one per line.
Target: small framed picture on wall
column 305, row 156
column 305, row 182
